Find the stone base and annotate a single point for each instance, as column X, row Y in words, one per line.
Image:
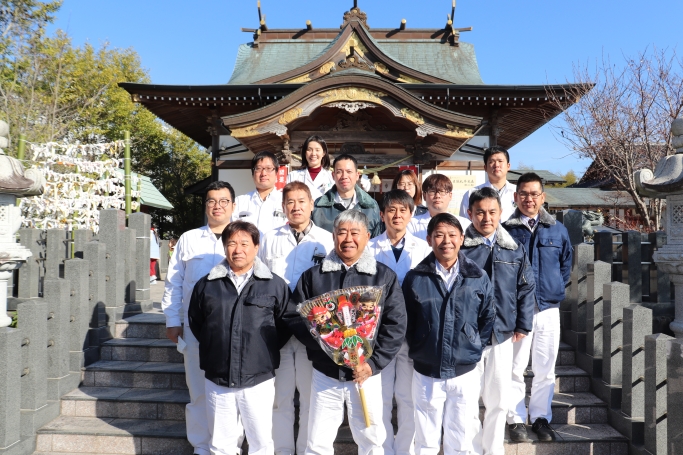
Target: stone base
column 31, row 421
column 58, row 387
column 592, row 365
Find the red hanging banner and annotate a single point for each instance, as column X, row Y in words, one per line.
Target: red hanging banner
column 281, row 178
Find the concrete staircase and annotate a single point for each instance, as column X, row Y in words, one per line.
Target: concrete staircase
column 132, row 402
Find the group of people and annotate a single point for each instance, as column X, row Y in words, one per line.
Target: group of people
column 467, row 301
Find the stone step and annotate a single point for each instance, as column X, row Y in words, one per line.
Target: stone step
column 141, row 349
column 83, row 435
column 147, row 375
column 568, row 379
column 86, row 435
column 126, row 403
column 571, row 408
column 144, row 325
column 565, row 355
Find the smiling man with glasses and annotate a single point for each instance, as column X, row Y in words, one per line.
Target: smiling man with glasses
column 263, row 206
column 438, row 192
column 196, row 253
column 550, row 254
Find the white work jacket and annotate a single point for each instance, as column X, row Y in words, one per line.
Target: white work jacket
column 418, row 225
column 281, row 254
column 414, row 251
column 265, row 215
column 196, row 253
column 321, row 185
column 507, row 200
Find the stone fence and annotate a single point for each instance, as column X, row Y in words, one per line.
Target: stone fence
column 70, row 294
column 616, row 316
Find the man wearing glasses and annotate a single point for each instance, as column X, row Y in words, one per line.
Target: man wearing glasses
column 438, row 192
column 496, row 165
column 196, row 253
column 550, row 251
column 263, row 206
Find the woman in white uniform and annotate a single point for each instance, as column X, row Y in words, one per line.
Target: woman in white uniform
column 315, row 164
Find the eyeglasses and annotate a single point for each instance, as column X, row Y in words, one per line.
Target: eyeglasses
column 267, row 170
column 221, row 202
column 433, row 193
column 533, row 196
column 404, row 185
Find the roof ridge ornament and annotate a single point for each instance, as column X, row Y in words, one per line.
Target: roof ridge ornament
column 356, row 14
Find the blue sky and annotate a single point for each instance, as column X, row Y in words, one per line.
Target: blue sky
column 517, row 42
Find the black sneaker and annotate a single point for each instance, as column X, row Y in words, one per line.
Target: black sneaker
column 542, row 429
column 517, row 432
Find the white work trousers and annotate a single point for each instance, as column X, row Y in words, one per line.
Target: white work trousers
column 294, row 373
column 254, row 405
column 397, row 381
column 451, row 403
column 541, row 345
column 328, row 397
column 198, row 433
column 495, row 375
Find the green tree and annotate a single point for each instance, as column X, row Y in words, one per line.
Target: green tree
column 53, row 91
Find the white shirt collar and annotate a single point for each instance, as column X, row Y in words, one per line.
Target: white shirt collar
column 240, row 280
column 448, row 276
column 354, row 199
column 526, row 219
column 347, row 267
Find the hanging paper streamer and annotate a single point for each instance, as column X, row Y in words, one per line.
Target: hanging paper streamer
column 81, row 179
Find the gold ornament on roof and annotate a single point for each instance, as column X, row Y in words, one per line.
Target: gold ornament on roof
column 381, row 67
column 326, row 68
column 408, row 79
column 300, row 79
column 351, row 94
column 290, row 116
column 457, row 132
column 247, row 131
column 412, row 116
column 357, row 44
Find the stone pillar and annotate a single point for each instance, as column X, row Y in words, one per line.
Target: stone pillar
column 10, row 393
column 655, row 393
column 603, row 247
column 32, row 316
column 598, row 274
column 615, row 299
column 163, row 256
column 660, row 283
column 140, row 222
column 76, row 274
column 29, row 273
column 128, row 240
column 112, row 224
column 632, row 268
column 56, row 295
column 95, row 253
column 637, row 325
column 583, row 254
column 56, row 248
column 81, row 238
column 674, row 367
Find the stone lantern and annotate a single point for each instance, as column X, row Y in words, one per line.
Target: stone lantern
column 14, row 182
column 667, row 181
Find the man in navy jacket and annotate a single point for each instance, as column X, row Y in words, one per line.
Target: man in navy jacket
column 550, row 253
column 507, row 265
column 449, row 302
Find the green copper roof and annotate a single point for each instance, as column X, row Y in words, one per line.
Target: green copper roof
column 454, row 64
column 150, row 196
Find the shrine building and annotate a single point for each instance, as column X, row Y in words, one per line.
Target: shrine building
column 389, row 96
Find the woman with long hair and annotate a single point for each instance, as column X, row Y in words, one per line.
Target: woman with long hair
column 315, row 164
column 406, row 180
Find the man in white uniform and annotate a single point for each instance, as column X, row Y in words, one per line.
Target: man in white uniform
column 400, row 251
column 496, row 165
column 196, row 253
column 288, row 251
column 437, row 190
column 263, row 206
